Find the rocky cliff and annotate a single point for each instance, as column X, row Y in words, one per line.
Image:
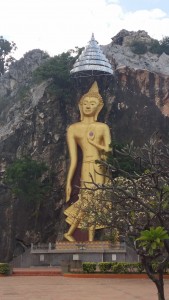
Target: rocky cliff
column 33, row 122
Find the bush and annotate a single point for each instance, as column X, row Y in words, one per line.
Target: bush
column 138, row 47
column 155, row 47
column 104, row 266
column 4, row 268
column 124, row 267
column 120, row 268
column 140, row 268
column 89, row 267
column 164, row 43
column 114, row 267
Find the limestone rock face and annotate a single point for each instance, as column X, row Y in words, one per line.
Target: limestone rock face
column 33, row 122
column 125, row 37
column 20, row 72
column 120, row 54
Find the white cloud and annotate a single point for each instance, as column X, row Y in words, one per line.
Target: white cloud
column 56, row 26
column 153, row 21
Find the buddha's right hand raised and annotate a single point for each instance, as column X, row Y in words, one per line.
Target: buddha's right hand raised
column 68, row 192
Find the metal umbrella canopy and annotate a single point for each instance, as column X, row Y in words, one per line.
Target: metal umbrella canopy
column 91, row 62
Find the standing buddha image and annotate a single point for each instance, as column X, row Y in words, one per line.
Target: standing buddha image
column 93, row 138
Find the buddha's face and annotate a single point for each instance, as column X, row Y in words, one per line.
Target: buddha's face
column 90, row 106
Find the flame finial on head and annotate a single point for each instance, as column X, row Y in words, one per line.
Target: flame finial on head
column 94, row 88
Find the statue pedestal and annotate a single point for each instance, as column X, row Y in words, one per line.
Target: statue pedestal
column 73, row 254
column 86, row 246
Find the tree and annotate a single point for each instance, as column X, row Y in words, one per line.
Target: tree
column 137, row 204
column 25, row 178
column 152, row 248
column 155, row 47
column 57, row 69
column 164, row 45
column 6, row 49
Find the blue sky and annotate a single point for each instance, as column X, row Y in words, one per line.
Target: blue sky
column 133, row 5
column 56, row 26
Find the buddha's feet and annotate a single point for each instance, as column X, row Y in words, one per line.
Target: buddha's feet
column 70, row 238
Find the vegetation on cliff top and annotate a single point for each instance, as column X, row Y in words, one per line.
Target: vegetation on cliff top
column 156, row 47
column 58, row 69
column 6, row 49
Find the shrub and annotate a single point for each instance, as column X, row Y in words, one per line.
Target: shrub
column 120, row 268
column 155, row 47
column 134, row 267
column 124, row 267
column 115, row 267
column 129, row 267
column 140, row 268
column 89, row 267
column 104, row 266
column 138, row 47
column 4, row 268
column 164, row 43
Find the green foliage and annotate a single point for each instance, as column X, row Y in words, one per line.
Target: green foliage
column 112, row 236
column 120, row 268
column 152, row 240
column 6, row 48
column 104, row 267
column 133, row 267
column 164, row 45
column 139, row 267
column 89, row 267
column 138, row 47
column 4, row 268
column 155, row 46
column 121, row 161
column 24, row 176
column 125, row 267
column 117, row 267
column 58, row 69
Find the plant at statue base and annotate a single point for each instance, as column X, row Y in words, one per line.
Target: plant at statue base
column 89, row 267
column 104, row 267
column 4, row 268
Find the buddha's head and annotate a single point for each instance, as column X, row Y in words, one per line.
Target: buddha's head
column 91, row 103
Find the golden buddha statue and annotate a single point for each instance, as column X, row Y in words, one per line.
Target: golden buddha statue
column 94, row 140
